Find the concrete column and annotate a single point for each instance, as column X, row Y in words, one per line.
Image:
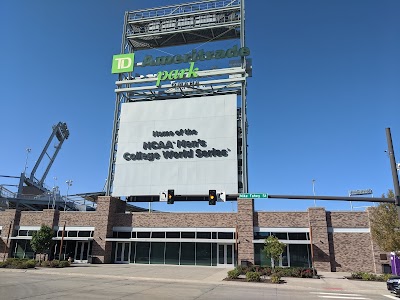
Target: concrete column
column 319, row 228
column 245, row 217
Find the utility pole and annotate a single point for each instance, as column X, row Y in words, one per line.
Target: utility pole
column 394, row 170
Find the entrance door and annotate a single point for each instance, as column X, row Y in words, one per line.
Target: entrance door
column 81, row 252
column 122, row 252
column 225, row 255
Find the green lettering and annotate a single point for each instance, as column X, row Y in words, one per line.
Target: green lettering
column 173, row 74
column 219, row 54
column 161, row 60
column 169, row 60
column 148, row 61
column 182, row 73
column 192, row 71
column 187, row 58
column 244, row 51
column 161, row 76
column 232, row 52
column 178, row 59
column 201, row 55
column 209, row 55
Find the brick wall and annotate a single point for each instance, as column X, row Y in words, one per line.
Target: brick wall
column 281, row 219
column 245, row 220
column 145, row 219
column 349, row 219
column 350, row 251
column 353, row 252
column 8, row 220
column 320, row 242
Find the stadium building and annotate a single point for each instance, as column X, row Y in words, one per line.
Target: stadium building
column 180, row 134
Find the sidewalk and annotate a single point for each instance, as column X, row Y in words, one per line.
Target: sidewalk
column 329, row 281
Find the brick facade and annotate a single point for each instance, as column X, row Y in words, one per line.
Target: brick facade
column 245, row 220
column 337, row 243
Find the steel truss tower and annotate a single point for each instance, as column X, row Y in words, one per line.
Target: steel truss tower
column 178, row 25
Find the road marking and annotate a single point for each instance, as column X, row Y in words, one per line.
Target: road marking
column 391, row 297
column 339, row 296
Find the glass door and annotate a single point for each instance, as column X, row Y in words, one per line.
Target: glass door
column 225, row 255
column 122, row 252
column 81, row 252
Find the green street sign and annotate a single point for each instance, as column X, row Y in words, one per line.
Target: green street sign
column 252, row 196
column 123, row 63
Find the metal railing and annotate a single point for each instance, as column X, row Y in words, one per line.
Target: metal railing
column 181, row 9
column 6, row 193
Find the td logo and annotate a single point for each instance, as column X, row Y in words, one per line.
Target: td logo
column 122, row 63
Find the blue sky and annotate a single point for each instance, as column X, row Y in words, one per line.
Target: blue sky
column 325, row 86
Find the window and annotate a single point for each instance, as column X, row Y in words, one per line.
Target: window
column 280, row 235
column 133, row 252
column 173, row 235
column 143, row 235
column 157, row 253
column 23, row 233
column 299, row 236
column 225, row 235
column 158, row 235
column 259, row 256
column 142, row 252
column 187, row 235
column 203, row 254
column 172, row 253
column 204, row 235
column 188, row 253
column 214, row 253
column 72, row 233
column 261, row 235
column 84, row 233
column 124, row 235
column 299, row 255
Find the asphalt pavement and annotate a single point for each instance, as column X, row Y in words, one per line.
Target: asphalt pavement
column 133, row 281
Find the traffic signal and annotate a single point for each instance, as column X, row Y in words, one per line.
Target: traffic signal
column 170, row 197
column 212, row 197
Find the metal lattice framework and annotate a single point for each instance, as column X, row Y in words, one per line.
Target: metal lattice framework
column 178, row 25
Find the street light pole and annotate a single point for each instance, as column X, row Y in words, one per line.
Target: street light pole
column 28, row 150
column 313, row 189
column 69, row 183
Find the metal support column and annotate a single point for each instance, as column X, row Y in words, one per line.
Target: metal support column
column 394, row 170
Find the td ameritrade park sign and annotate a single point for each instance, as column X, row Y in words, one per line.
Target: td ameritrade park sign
column 125, row 62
